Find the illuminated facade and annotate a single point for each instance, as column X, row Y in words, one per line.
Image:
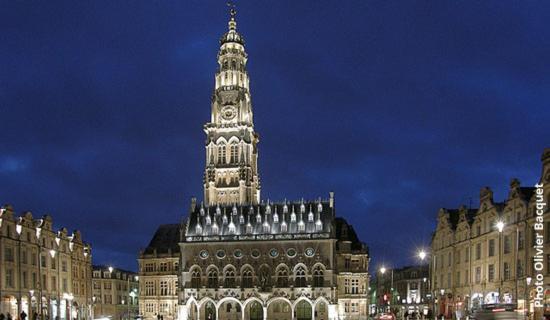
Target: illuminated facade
column 43, row 271
column 231, row 174
column 473, row 263
column 158, row 274
column 243, row 258
column 115, row 293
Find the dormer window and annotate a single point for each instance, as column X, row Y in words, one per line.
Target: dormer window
column 301, row 226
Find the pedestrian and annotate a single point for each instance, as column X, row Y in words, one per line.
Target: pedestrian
column 2, row 316
column 35, row 316
column 23, row 315
column 8, row 317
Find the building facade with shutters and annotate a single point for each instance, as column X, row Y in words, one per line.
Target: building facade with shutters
column 158, row 274
column 43, row 272
column 115, row 293
column 486, row 255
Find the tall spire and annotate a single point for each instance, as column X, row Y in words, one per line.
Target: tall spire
column 231, row 172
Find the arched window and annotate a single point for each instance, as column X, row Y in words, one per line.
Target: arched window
column 300, row 277
column 234, row 153
column 196, row 279
column 213, row 279
column 229, row 279
column 282, row 278
column 221, row 153
column 318, row 277
column 247, row 279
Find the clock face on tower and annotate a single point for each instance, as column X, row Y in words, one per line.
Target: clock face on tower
column 228, row 112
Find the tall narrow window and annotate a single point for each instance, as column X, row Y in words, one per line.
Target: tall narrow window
column 300, row 277
column 318, row 278
column 491, row 247
column 196, row 279
column 282, row 278
column 234, row 153
column 229, row 279
column 221, row 153
column 247, row 280
column 213, row 279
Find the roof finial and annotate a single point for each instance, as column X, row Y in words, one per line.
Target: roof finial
column 232, row 14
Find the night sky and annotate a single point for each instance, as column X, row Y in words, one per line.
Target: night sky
column 400, row 107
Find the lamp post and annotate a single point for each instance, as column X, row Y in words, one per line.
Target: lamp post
column 528, row 282
column 500, row 228
column 422, row 255
column 92, row 312
column 58, row 306
column 383, row 271
column 132, row 294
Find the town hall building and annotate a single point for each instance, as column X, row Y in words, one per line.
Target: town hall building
column 238, row 256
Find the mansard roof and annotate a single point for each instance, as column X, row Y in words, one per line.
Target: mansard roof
column 453, row 215
column 345, row 232
column 527, row 192
column 165, row 240
column 265, row 221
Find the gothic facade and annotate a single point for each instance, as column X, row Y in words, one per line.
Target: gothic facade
column 231, row 174
column 243, row 258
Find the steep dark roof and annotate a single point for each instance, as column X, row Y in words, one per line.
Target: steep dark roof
column 345, row 232
column 527, row 192
column 166, row 237
column 471, row 215
column 454, row 216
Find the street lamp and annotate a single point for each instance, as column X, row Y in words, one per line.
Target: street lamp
column 422, row 255
column 500, row 226
column 383, row 271
column 528, row 280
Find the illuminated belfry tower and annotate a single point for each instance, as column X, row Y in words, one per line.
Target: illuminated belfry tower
column 231, row 173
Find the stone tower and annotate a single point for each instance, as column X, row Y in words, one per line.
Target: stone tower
column 231, row 173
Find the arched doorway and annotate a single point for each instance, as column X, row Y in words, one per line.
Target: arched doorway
column 279, row 310
column 321, row 311
column 208, row 311
column 254, row 311
column 303, row 310
column 230, row 310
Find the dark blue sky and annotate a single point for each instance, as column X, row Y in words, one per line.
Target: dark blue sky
column 400, row 107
